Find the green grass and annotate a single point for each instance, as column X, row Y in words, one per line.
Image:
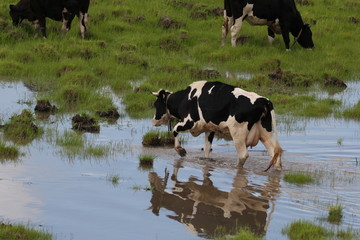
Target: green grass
column 21, row 128
column 126, row 44
column 8, row 152
column 241, row 234
column 114, row 179
column 304, row 230
column 158, row 138
column 16, row 232
column 298, row 178
column 97, row 151
column 146, row 161
column 335, row 214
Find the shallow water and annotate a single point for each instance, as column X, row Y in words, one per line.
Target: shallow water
column 71, row 196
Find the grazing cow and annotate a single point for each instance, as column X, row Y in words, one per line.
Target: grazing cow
column 209, row 107
column 59, row 10
column 281, row 17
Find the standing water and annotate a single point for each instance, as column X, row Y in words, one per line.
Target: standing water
column 71, row 194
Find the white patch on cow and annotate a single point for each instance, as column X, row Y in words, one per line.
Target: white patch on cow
column 198, row 87
column 251, row 95
column 211, row 89
column 271, row 39
column 64, row 22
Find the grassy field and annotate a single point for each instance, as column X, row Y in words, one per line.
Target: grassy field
column 131, row 50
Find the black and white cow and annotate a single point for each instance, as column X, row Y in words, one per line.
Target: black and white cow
column 281, row 17
column 59, row 10
column 209, row 107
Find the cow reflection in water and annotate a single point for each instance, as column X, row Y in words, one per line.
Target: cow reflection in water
column 203, row 208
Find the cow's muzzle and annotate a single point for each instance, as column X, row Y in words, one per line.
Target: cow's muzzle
column 156, row 123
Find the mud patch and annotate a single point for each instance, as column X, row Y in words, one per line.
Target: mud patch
column 205, row 74
column 44, row 106
column 354, row 20
column 167, row 23
column 111, row 113
column 290, row 79
column 129, row 58
column 334, row 82
column 242, row 39
column 84, row 123
column 174, row 42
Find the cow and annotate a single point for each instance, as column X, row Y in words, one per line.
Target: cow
column 59, row 10
column 281, row 17
column 210, row 107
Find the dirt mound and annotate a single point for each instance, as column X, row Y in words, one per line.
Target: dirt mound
column 44, row 106
column 354, row 20
column 166, row 22
column 84, row 123
column 111, row 113
column 289, row 79
column 205, row 74
column 334, row 82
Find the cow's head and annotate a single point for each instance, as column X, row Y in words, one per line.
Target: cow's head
column 162, row 115
column 305, row 37
column 16, row 15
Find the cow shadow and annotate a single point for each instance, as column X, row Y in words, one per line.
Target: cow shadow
column 204, row 209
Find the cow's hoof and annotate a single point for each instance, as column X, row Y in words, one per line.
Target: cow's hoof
column 181, row 151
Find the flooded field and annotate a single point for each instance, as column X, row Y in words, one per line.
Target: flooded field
column 71, row 195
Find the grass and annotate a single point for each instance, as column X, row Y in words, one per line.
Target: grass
column 127, row 44
column 146, row 161
column 241, row 234
column 335, row 214
column 21, row 128
column 298, row 178
column 16, row 232
column 304, row 230
column 114, row 179
column 8, row 152
column 158, row 138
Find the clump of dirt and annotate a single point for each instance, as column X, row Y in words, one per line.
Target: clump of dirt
column 129, row 58
column 242, row 39
column 111, row 113
column 289, row 79
column 184, row 4
column 44, row 106
column 173, row 43
column 64, row 70
column 205, row 74
column 354, row 20
column 167, row 23
column 270, row 65
column 134, row 19
column 334, row 82
column 21, row 128
column 84, row 123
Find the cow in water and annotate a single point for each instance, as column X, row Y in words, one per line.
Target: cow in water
column 209, row 107
column 281, row 17
column 59, row 10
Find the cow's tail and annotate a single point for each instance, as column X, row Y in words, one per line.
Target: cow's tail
column 277, row 150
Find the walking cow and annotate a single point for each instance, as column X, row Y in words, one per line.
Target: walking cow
column 209, row 107
column 281, row 17
column 59, row 10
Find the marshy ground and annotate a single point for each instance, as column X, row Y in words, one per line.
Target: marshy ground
column 66, row 192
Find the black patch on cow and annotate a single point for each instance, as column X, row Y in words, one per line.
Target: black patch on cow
column 188, row 125
column 211, row 137
column 160, row 105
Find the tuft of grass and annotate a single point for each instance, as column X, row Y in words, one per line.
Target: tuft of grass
column 298, row 178
column 21, row 128
column 114, row 179
column 353, row 113
column 8, row 152
column 158, row 138
column 335, row 214
column 245, row 234
column 97, row 151
column 146, row 161
column 301, row 230
column 16, row 232
column 70, row 139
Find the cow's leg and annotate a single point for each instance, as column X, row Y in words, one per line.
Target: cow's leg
column 228, row 22
column 83, row 19
column 185, row 125
column 37, row 28
column 42, row 24
column 209, row 137
column 239, row 133
column 285, row 35
column 235, row 29
column 274, row 150
column 271, row 35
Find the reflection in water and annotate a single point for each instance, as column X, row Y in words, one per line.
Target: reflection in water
column 203, row 208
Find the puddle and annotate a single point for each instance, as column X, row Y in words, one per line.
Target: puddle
column 184, row 197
